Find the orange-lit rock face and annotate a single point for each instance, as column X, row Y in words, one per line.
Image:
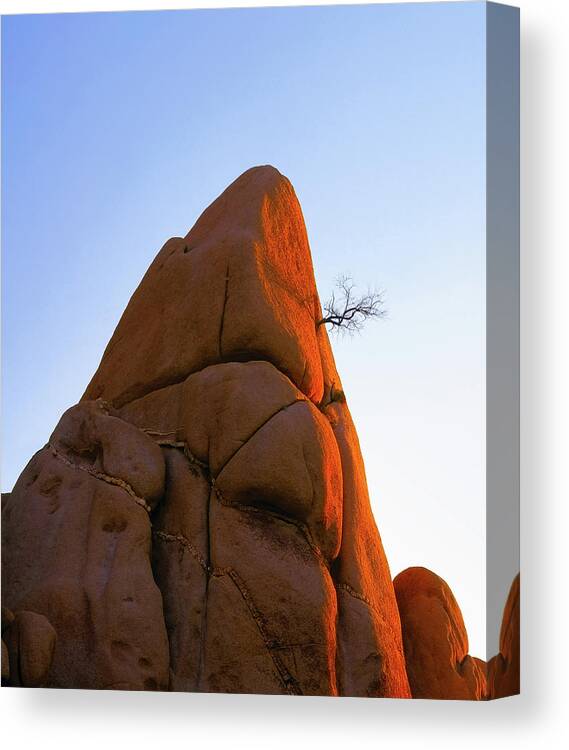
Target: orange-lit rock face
column 239, row 286
column 435, row 639
column 504, row 668
column 238, row 551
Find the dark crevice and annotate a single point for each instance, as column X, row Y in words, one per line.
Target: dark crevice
column 158, row 384
column 222, row 320
column 289, row 683
column 334, row 395
column 209, row 566
column 271, row 643
column 257, row 429
column 301, row 386
column 238, row 355
column 357, row 595
column 258, row 507
column 208, row 574
column 167, row 537
column 278, row 515
column 114, row 481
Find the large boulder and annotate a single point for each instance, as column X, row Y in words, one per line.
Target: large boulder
column 213, row 508
column 435, row 639
column 504, row 668
column 76, row 568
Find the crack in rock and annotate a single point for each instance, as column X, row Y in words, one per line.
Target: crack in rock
column 271, row 643
column 115, row 481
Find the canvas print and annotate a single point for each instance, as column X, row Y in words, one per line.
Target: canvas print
column 278, row 456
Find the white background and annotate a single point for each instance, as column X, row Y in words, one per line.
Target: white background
column 66, row 719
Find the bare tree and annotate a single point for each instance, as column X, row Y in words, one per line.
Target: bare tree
column 346, row 311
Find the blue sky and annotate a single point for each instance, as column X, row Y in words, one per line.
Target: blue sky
column 119, row 129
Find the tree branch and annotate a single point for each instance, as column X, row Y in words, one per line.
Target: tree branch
column 349, row 312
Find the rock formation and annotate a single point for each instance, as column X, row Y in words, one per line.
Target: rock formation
column 435, row 640
column 504, row 668
column 201, row 521
column 76, row 558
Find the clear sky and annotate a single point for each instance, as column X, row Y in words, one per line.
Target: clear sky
column 119, row 129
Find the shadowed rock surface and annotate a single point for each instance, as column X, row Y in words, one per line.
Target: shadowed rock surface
column 201, row 521
column 504, row 668
column 76, row 552
column 435, row 639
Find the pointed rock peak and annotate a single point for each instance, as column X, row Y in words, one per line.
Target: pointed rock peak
column 241, row 203
column 240, row 286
